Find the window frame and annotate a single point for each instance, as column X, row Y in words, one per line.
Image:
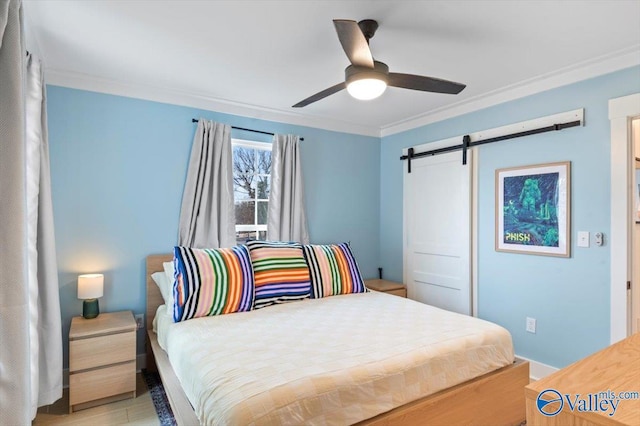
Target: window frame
column 261, row 146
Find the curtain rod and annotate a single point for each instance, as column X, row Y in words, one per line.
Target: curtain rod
column 466, row 142
column 195, row 120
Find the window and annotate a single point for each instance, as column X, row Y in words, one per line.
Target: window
column 251, row 185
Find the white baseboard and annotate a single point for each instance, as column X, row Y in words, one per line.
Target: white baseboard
column 538, row 370
column 141, row 362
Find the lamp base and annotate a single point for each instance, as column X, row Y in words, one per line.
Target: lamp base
column 90, row 308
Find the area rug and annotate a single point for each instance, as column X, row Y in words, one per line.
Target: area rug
column 159, row 398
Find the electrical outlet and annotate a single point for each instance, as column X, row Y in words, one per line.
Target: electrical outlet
column 599, row 239
column 531, row 325
column 140, row 321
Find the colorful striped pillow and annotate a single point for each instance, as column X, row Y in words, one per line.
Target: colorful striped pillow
column 281, row 273
column 333, row 270
column 212, row 282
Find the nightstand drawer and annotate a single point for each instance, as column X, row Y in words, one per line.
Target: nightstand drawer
column 100, row 351
column 101, row 383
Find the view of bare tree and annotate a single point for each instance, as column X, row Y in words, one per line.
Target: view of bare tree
column 251, row 168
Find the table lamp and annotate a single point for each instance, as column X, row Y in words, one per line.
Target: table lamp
column 89, row 289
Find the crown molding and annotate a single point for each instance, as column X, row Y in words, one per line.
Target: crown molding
column 582, row 71
column 91, row 83
column 588, row 69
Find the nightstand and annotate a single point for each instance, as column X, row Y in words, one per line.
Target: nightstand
column 102, row 359
column 391, row 287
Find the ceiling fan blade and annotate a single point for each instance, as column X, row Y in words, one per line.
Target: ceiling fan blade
column 353, row 42
column 321, row 95
column 426, row 84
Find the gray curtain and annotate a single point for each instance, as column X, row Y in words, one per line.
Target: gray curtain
column 45, row 321
column 287, row 220
column 15, row 388
column 30, row 333
column 207, row 213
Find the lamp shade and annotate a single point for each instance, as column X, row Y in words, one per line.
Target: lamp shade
column 90, row 286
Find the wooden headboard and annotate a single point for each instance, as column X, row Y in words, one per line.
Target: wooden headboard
column 154, row 299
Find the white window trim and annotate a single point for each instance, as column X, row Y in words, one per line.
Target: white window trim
column 265, row 146
column 248, row 228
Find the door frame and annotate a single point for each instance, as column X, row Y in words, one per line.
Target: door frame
column 621, row 111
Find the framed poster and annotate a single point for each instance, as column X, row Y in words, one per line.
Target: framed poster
column 533, row 209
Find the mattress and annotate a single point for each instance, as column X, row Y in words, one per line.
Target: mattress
column 337, row 360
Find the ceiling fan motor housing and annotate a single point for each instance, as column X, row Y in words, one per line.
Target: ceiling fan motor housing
column 368, row 28
column 380, row 71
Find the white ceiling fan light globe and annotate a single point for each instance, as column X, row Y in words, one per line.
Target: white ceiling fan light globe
column 366, row 88
column 366, row 83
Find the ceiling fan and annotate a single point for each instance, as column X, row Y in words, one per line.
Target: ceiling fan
column 367, row 78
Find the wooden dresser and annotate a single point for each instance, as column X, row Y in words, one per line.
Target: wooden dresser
column 102, row 359
column 391, row 287
column 615, row 369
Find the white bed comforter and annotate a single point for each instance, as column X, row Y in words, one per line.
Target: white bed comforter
column 337, row 360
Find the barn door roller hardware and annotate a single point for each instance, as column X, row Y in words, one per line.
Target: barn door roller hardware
column 466, row 142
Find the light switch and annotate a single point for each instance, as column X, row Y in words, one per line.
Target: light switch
column 583, row 238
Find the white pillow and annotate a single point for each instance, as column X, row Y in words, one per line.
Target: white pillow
column 165, row 285
column 160, row 278
column 169, row 271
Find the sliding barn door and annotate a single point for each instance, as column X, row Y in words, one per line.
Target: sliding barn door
column 437, row 226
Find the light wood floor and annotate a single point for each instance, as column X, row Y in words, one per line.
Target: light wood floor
column 139, row 411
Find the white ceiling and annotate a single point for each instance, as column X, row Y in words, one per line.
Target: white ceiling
column 258, row 58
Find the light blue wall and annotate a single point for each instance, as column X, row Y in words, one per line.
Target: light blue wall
column 568, row 297
column 118, row 167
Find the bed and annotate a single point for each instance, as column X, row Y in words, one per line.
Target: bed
column 379, row 377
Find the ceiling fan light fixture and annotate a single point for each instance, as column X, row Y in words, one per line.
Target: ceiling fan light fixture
column 366, row 88
column 366, row 83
